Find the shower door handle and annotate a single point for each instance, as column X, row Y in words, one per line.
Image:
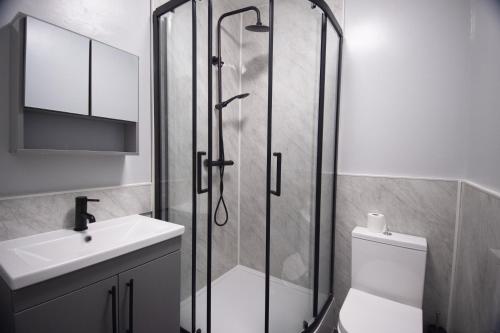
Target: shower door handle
column 199, row 167
column 278, row 175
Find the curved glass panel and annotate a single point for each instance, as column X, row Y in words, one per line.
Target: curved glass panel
column 328, row 165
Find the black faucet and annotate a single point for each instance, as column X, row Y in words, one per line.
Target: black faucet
column 81, row 215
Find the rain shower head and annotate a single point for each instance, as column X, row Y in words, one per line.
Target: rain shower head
column 258, row 27
column 226, row 103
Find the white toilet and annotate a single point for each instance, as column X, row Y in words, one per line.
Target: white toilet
column 387, row 284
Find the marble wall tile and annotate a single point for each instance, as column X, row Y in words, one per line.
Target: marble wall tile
column 475, row 305
column 253, row 144
column 225, row 238
column 425, row 208
column 25, row 216
column 178, row 63
column 296, row 49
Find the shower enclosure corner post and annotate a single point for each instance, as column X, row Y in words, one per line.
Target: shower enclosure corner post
column 156, row 116
column 210, row 160
column 194, row 164
column 268, row 162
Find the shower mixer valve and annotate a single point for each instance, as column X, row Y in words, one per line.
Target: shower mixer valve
column 218, row 163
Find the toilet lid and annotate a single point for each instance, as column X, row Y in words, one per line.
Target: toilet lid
column 363, row 312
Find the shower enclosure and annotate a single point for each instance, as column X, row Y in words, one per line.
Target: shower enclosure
column 246, row 122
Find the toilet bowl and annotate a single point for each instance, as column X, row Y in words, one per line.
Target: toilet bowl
column 363, row 312
column 387, row 284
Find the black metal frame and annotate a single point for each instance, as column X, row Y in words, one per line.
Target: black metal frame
column 159, row 207
column 326, row 17
column 210, row 160
column 319, row 164
column 270, row 79
column 330, row 17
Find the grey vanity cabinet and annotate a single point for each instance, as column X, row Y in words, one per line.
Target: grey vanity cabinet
column 142, row 286
column 150, row 297
column 57, row 67
column 86, row 310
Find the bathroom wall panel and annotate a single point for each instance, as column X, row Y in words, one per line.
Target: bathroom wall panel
column 291, row 253
column 25, row 216
column 476, row 298
column 225, row 239
column 424, row 208
column 405, row 89
column 296, row 94
column 179, row 67
column 483, row 151
column 254, row 80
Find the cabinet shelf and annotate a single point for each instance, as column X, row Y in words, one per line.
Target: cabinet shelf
column 47, row 132
column 73, row 152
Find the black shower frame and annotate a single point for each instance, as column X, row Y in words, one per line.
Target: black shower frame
column 327, row 16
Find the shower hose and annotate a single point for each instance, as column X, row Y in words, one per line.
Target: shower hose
column 221, row 201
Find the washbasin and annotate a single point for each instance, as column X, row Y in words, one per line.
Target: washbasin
column 29, row 260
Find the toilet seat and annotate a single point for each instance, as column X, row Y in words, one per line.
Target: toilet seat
column 363, row 313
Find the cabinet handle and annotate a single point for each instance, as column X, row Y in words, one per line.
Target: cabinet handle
column 198, row 172
column 130, row 285
column 278, row 175
column 112, row 292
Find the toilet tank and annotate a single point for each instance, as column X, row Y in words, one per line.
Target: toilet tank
column 389, row 266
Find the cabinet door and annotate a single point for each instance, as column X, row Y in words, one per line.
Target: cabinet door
column 115, row 83
column 56, row 68
column 150, row 297
column 85, row 310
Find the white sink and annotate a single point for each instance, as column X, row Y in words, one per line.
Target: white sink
column 29, row 260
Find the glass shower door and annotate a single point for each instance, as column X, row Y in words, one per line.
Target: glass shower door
column 302, row 163
column 296, row 71
column 177, row 196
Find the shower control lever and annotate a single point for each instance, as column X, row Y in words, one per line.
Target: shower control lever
column 215, row 61
column 218, row 163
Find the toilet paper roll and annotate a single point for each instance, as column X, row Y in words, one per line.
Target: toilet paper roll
column 376, row 222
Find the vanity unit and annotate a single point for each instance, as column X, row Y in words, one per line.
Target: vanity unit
column 70, row 93
column 121, row 275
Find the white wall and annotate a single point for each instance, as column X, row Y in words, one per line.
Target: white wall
column 405, row 93
column 123, row 24
column 483, row 159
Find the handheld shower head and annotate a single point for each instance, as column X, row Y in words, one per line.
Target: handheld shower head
column 226, row 103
